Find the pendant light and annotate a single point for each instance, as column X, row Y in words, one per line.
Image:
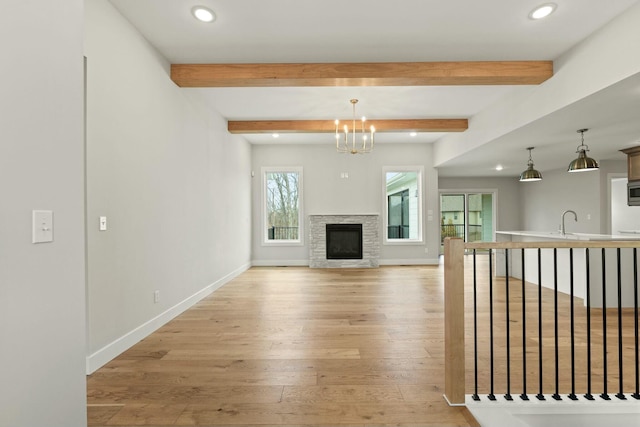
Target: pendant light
column 530, row 174
column 583, row 163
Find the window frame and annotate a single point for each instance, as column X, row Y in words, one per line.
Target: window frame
column 264, row 221
column 419, row 240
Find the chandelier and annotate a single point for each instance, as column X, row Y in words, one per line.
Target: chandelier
column 343, row 145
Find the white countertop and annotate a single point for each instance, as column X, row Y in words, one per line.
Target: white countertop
column 571, row 236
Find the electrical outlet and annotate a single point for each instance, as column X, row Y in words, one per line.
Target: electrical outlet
column 426, row 250
column 156, row 297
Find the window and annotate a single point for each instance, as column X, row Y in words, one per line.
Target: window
column 403, row 197
column 282, row 191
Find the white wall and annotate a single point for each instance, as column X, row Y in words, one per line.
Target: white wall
column 587, row 193
column 42, row 305
column 543, row 202
column 325, row 192
column 507, row 201
column 172, row 182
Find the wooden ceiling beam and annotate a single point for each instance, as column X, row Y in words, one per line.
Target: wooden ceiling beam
column 328, row 126
column 363, row 74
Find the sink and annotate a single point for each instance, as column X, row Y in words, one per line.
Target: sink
column 572, row 236
column 588, row 236
column 555, row 234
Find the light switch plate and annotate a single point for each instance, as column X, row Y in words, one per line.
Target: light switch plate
column 42, row 226
column 103, row 223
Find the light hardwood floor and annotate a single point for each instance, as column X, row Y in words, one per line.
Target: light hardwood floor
column 291, row 346
column 321, row 347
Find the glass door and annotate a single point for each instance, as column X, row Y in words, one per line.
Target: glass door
column 469, row 216
column 480, row 214
column 452, row 217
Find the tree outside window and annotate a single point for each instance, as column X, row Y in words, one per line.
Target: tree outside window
column 282, row 205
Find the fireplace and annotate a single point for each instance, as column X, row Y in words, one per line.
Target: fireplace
column 344, row 241
column 368, row 241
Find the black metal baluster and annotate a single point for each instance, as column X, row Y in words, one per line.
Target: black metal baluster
column 556, row 395
column 524, row 396
column 475, row 330
column 491, row 395
column 636, row 395
column 604, row 394
column 540, row 396
column 588, row 396
column 506, row 281
column 572, row 395
column 620, row 395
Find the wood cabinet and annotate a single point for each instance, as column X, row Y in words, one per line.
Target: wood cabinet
column 633, row 163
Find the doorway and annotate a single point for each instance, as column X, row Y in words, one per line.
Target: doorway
column 467, row 215
column 623, row 218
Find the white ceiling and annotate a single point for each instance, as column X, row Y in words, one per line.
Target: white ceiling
column 253, row 31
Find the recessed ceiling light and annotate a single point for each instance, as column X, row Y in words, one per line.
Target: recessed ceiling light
column 499, row 167
column 203, row 14
column 543, row 11
column 276, row 135
column 413, row 134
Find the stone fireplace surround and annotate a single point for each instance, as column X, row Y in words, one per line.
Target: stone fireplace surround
column 370, row 241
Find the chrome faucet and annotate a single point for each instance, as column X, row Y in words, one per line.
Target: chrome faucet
column 562, row 229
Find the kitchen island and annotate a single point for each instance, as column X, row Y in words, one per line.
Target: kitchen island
column 596, row 277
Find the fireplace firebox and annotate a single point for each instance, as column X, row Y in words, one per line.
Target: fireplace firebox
column 344, row 241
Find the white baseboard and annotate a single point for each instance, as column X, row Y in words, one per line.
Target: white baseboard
column 109, row 352
column 413, row 261
column 305, row 262
column 281, row 263
column 452, row 404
